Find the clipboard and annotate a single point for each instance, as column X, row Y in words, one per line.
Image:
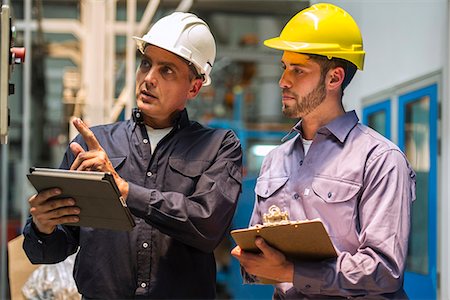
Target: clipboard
column 299, row 240
column 96, row 194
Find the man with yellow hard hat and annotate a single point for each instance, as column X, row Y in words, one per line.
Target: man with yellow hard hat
column 356, row 181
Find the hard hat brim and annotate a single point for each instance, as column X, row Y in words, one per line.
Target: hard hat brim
column 278, row 43
column 329, row 50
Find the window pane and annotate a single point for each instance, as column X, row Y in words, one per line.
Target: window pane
column 377, row 121
column 417, row 146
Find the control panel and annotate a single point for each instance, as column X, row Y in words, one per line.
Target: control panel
column 9, row 56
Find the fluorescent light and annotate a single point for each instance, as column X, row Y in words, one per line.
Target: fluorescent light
column 262, row 150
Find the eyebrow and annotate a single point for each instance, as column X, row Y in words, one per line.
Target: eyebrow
column 161, row 63
column 293, row 64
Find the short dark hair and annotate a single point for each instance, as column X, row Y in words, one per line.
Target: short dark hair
column 327, row 64
column 194, row 74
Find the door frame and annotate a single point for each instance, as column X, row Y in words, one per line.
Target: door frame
column 399, row 96
column 413, row 281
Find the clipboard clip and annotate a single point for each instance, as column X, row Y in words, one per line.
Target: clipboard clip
column 275, row 216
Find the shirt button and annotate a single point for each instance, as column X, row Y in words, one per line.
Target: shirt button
column 149, row 174
column 330, row 194
column 301, row 162
column 143, row 284
column 145, row 141
column 145, row 245
column 296, row 196
column 307, row 286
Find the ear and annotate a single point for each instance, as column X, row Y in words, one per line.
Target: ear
column 196, row 85
column 335, row 78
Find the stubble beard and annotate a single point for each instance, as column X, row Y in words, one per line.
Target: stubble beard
column 306, row 104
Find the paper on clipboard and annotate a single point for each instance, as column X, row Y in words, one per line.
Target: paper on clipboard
column 300, row 240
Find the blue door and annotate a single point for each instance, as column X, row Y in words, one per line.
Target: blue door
column 417, row 137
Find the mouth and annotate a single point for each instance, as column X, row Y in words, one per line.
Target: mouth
column 147, row 96
column 287, row 97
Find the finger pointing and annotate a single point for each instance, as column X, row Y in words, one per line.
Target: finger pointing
column 87, row 134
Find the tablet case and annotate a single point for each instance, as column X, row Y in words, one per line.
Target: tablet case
column 96, row 194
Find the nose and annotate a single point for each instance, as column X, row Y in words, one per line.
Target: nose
column 150, row 77
column 284, row 81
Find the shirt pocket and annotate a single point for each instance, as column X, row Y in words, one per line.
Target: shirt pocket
column 184, row 174
column 336, row 204
column 270, row 191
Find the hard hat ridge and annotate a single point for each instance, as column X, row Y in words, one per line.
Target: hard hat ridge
column 185, row 35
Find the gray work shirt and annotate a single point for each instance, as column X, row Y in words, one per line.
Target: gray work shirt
column 361, row 186
column 182, row 197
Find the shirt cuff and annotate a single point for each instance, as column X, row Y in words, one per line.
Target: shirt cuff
column 38, row 236
column 139, row 199
column 248, row 278
column 308, row 277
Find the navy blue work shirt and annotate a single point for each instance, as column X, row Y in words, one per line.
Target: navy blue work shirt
column 182, row 197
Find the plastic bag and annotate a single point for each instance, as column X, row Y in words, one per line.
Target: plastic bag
column 52, row 282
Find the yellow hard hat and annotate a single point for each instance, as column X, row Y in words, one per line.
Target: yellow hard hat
column 322, row 29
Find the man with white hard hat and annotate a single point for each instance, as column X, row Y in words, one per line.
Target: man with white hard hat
column 181, row 181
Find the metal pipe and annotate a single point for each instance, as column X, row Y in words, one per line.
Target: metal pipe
column 26, row 127
column 53, row 26
column 4, row 217
column 130, row 56
column 93, row 16
column 147, row 17
column 184, row 5
column 3, row 214
column 110, row 55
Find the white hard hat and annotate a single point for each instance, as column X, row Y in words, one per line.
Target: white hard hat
column 186, row 35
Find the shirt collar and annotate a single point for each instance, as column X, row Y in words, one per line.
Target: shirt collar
column 339, row 127
column 180, row 121
column 297, row 128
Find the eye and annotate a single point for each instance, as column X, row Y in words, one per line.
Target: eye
column 166, row 70
column 145, row 65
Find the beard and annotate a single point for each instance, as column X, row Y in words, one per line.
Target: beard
column 306, row 104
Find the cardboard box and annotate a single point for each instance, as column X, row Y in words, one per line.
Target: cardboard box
column 20, row 268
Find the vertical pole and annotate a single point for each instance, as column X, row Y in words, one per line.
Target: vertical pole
column 110, row 55
column 269, row 108
column 130, row 57
column 444, row 203
column 93, row 16
column 4, row 217
column 24, row 187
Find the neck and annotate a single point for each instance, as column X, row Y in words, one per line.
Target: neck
column 326, row 112
column 161, row 123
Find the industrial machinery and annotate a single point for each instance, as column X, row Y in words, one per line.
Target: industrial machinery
column 9, row 56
